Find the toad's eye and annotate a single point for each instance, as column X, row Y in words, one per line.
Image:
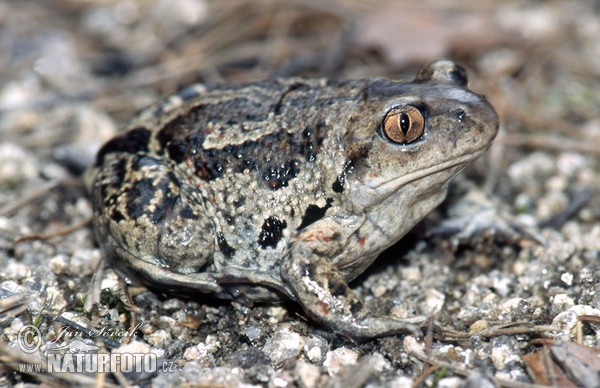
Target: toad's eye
column 403, row 124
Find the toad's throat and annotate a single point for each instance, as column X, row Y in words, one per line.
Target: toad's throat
column 374, row 190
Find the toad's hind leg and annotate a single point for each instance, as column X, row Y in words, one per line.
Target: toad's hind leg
column 326, row 297
column 144, row 221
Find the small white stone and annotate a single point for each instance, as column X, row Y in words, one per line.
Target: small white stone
column 276, row 314
column 160, row 338
column 85, row 261
column 502, row 355
column 213, row 342
column 567, row 320
column 503, row 285
column 378, row 290
column 173, row 304
column 191, row 353
column 110, row 281
column 377, row 362
column 510, row 305
column 433, row 302
column 180, row 316
column 16, row 165
column 413, row 346
column 314, row 354
column 284, row 344
column 402, row 381
column 279, row 382
column 316, row 348
column 562, row 300
column 567, row 278
column 450, row 382
column 204, row 349
column 167, row 321
column 133, row 347
column 253, row 333
column 557, row 183
column 569, row 163
column 401, row 310
column 56, row 296
column 339, row 358
column 411, row 274
column 490, row 299
column 308, row 374
column 58, row 263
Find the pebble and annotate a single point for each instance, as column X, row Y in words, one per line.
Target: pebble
column 204, row 350
column 503, row 354
column 377, row 362
column 133, row 347
column 562, row 300
column 159, row 339
column 16, row 165
column 567, row 320
column 316, row 348
column 433, row 302
column 283, row 344
column 339, row 358
column 253, row 333
column 308, row 375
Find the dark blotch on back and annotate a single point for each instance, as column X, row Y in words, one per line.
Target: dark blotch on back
column 143, row 192
column 312, row 139
column 117, row 171
column 357, row 154
column 314, row 213
column 133, row 141
column 271, row 232
column 338, row 185
column 337, row 287
column 187, row 212
column 340, row 181
column 354, row 158
column 275, row 158
column 224, row 247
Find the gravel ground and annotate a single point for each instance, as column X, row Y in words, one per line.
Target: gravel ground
column 507, row 309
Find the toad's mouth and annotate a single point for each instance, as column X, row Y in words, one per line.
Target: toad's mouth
column 375, row 189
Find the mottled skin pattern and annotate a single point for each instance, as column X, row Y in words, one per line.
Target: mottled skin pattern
column 282, row 189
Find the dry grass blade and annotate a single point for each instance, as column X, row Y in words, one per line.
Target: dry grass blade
column 498, row 330
column 14, row 359
column 61, row 232
column 13, row 306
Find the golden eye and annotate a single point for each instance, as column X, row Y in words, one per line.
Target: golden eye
column 403, row 124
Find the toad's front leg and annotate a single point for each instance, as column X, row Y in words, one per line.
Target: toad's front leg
column 324, row 294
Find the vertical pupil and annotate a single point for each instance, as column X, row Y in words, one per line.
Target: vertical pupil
column 404, row 122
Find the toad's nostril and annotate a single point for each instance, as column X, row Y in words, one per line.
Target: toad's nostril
column 458, row 115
